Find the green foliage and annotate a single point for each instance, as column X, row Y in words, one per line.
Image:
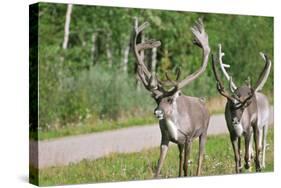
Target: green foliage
column 98, row 92
column 78, row 82
column 218, row 160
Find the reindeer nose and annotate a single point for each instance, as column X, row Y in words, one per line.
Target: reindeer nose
column 235, row 120
column 158, row 113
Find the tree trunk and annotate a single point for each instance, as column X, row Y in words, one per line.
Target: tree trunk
column 136, row 24
column 93, row 49
column 67, row 25
column 126, row 56
column 109, row 50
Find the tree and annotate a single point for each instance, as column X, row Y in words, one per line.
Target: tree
column 67, row 25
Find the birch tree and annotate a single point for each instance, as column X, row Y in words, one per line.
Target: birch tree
column 67, row 25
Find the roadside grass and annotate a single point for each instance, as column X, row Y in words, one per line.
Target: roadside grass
column 90, row 127
column 219, row 160
column 215, row 105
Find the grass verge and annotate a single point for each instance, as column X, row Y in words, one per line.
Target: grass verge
column 215, row 106
column 219, row 160
column 88, row 127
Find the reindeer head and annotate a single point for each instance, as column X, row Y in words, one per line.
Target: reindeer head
column 166, row 98
column 240, row 97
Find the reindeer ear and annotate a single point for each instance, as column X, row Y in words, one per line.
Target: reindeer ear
column 177, row 94
column 248, row 82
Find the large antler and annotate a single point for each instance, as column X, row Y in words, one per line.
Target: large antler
column 201, row 40
column 149, row 81
column 232, row 86
column 261, row 81
column 264, row 74
column 220, row 86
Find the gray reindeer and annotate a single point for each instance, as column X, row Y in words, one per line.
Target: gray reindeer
column 181, row 118
column 246, row 113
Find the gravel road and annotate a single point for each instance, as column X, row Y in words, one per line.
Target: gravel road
column 72, row 149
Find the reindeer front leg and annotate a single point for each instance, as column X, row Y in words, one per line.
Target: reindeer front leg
column 234, row 141
column 248, row 150
column 163, row 153
column 163, row 147
column 239, row 153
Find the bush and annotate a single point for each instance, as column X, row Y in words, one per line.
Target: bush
column 97, row 92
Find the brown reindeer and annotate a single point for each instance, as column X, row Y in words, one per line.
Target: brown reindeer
column 246, row 113
column 181, row 118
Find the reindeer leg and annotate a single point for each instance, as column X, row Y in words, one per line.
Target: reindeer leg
column 234, row 141
column 180, row 146
column 163, row 153
column 264, row 145
column 239, row 153
column 257, row 138
column 202, row 141
column 163, row 147
column 248, row 150
column 187, row 150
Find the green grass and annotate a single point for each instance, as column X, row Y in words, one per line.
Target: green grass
column 89, row 127
column 214, row 105
column 218, row 160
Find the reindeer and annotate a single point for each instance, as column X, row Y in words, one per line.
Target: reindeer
column 246, row 113
column 181, row 118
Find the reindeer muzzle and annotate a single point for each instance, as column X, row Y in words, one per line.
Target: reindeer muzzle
column 237, row 126
column 159, row 114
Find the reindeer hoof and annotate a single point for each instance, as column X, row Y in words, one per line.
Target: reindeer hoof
column 258, row 168
column 247, row 166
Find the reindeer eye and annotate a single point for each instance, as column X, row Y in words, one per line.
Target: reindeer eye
column 170, row 100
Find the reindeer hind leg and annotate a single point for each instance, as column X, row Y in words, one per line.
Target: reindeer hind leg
column 181, row 148
column 187, row 150
column 264, row 145
column 202, row 141
column 258, row 141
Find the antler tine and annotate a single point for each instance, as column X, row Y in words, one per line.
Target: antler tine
column 231, row 84
column 172, row 82
column 169, row 81
column 178, row 73
column 148, row 44
column 201, row 40
column 264, row 74
column 139, row 29
column 223, row 66
column 249, row 82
